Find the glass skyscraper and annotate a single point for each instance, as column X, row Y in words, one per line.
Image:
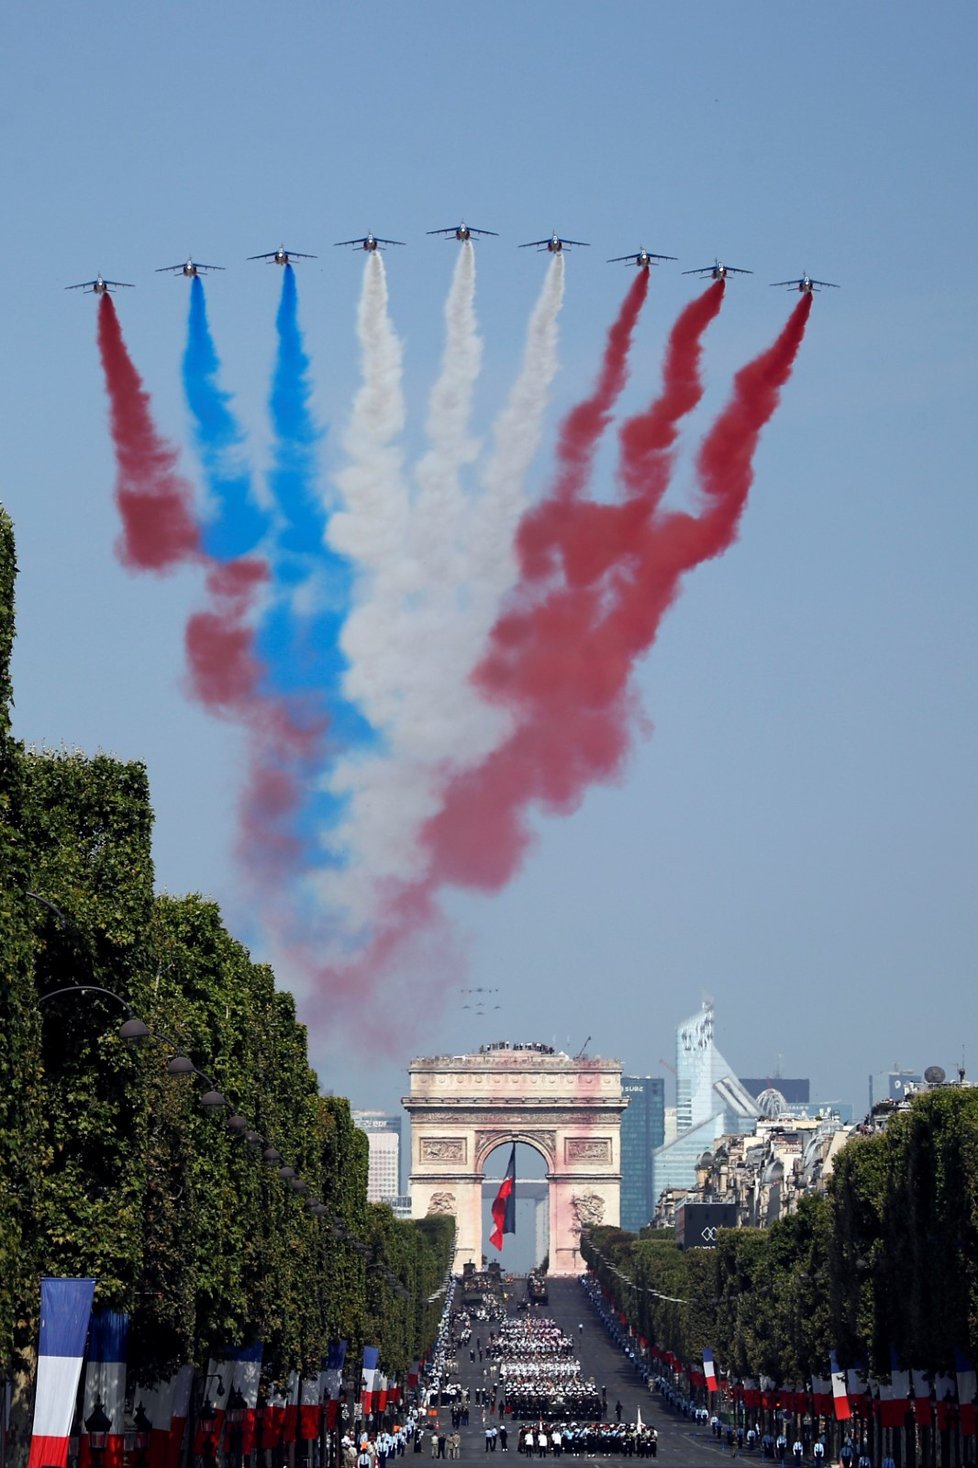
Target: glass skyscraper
column 642, row 1130
column 710, row 1103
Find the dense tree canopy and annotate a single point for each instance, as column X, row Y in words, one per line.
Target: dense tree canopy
column 888, row 1257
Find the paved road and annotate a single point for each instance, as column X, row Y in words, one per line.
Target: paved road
column 681, row 1443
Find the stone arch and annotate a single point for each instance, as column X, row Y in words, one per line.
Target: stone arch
column 568, row 1109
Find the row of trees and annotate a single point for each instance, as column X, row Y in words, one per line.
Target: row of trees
column 887, row 1257
column 109, row 1165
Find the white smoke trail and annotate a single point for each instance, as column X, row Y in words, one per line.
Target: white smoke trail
column 372, row 528
column 464, row 553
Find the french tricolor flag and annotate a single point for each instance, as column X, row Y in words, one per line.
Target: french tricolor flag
column 840, row 1396
column 105, row 1382
column 709, row 1370
column 66, row 1307
column 368, row 1378
column 333, row 1381
column 310, row 1413
column 246, row 1377
column 167, row 1405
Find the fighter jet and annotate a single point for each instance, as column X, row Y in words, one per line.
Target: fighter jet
column 461, row 232
column 643, row 259
column 554, row 244
column 718, row 270
column 806, row 284
column 99, row 286
column 369, row 242
column 282, row 256
column 189, row 267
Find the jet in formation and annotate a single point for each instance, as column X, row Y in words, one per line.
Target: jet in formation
column 99, row 286
column 462, row 231
column 718, row 270
column 642, row 258
column 189, row 267
column 282, row 256
column 369, row 242
column 555, row 244
column 806, row 284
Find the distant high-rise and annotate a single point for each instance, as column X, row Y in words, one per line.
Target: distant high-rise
column 710, row 1103
column 383, row 1131
column 642, row 1131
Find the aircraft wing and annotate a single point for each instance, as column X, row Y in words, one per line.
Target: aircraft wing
column 269, row 256
column 493, row 232
column 830, row 283
column 735, row 270
column 83, row 285
column 208, row 267
column 786, row 282
column 530, row 243
column 583, row 243
column 361, row 241
column 701, row 270
column 292, row 254
column 450, row 230
column 381, row 241
column 162, row 269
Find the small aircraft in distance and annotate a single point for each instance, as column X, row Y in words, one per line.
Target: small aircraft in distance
column 554, row 244
column 370, row 242
column 281, row 256
column 806, row 284
column 718, row 270
column 99, row 286
column 462, row 231
column 189, row 267
column 642, row 258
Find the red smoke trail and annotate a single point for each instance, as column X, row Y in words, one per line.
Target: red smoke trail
column 539, row 530
column 225, row 676
column 597, row 536
column 562, row 663
column 156, row 504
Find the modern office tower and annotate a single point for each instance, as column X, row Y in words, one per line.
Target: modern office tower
column 710, row 1103
column 384, row 1139
column 642, row 1131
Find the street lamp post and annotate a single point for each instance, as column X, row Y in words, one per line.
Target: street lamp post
column 236, row 1416
column 140, row 1438
column 97, row 1425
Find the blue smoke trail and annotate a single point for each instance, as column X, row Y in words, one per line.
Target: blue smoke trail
column 240, row 523
column 299, row 635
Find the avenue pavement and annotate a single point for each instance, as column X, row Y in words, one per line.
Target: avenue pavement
column 682, row 1444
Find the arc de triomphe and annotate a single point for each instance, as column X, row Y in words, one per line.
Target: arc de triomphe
column 569, row 1109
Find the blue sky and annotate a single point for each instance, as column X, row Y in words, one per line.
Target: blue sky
column 797, row 838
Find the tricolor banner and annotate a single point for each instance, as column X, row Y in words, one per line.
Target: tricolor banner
column 333, row 1380
column 709, row 1370
column 368, row 1378
column 246, row 1376
column 922, row 1409
column 964, row 1370
column 167, row 1405
column 310, row 1411
column 66, row 1307
column 840, row 1396
column 504, row 1204
column 894, row 1396
column 105, row 1382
